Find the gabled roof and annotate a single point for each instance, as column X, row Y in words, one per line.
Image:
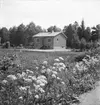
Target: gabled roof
column 50, row 34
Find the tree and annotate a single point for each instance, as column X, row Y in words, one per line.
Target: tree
column 20, row 35
column 75, row 42
column 70, row 31
column 83, row 43
column 81, row 30
column 53, row 29
column 95, row 33
column 12, row 35
column 87, row 34
column 4, row 34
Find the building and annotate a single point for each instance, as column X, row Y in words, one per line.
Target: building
column 50, row 40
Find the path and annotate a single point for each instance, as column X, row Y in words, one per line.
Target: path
column 91, row 98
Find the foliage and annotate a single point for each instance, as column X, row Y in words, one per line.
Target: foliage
column 75, row 33
column 58, row 83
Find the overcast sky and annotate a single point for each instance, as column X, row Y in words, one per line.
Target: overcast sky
column 49, row 12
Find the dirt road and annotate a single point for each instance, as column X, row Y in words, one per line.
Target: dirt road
column 91, row 98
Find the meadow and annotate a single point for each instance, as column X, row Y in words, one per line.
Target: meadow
column 46, row 78
column 30, row 58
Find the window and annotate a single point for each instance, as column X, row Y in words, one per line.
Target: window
column 37, row 40
column 49, row 40
column 57, row 39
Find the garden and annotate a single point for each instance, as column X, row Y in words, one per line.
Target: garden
column 58, row 82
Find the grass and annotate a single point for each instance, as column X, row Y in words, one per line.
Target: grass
column 31, row 58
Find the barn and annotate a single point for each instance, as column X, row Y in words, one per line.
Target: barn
column 50, row 40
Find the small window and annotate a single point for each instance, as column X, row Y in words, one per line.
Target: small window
column 49, row 40
column 37, row 40
column 57, row 39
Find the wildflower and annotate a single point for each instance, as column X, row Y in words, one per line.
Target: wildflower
column 61, row 58
column 4, row 81
column 54, row 72
column 41, row 90
column 37, row 96
column 58, row 78
column 49, row 70
column 63, row 83
column 41, row 77
column 32, row 77
column 23, row 88
column 43, row 67
column 19, row 75
column 53, row 75
column 37, row 68
column 21, row 97
column 57, row 60
column 62, row 65
column 27, row 80
column 45, row 63
column 23, row 74
column 29, row 71
column 12, row 77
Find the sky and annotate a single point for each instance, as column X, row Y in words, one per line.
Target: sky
column 47, row 13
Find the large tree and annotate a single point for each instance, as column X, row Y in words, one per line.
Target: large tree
column 4, row 34
column 53, row 29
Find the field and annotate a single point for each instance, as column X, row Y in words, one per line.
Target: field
column 31, row 58
column 46, row 78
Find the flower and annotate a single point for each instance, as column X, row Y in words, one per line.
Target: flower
column 27, row 80
column 61, row 58
column 37, row 96
column 12, row 77
column 32, row 77
column 23, row 88
column 45, row 62
column 53, row 75
column 29, row 71
column 4, row 81
column 57, row 60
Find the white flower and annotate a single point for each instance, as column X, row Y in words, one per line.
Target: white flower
column 56, row 64
column 48, row 70
column 23, row 88
column 63, row 83
column 20, row 97
column 29, row 71
column 57, row 60
column 19, row 75
column 37, row 68
column 12, row 77
column 53, row 75
column 41, row 77
column 62, row 65
column 54, row 72
column 41, row 90
column 37, row 96
column 61, row 58
column 23, row 74
column 27, row 80
column 58, row 78
column 45, row 63
column 4, row 81
column 33, row 77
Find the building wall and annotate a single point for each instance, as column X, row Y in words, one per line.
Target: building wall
column 37, row 42
column 48, row 42
column 59, row 41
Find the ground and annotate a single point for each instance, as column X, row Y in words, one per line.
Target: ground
column 31, row 57
column 92, row 97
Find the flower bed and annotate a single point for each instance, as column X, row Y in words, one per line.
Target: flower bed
column 59, row 83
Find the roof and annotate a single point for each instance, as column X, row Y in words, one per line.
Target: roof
column 50, row 34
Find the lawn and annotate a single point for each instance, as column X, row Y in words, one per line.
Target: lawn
column 31, row 58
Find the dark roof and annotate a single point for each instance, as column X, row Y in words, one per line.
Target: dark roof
column 53, row 34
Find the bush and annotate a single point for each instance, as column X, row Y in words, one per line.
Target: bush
column 55, row 84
